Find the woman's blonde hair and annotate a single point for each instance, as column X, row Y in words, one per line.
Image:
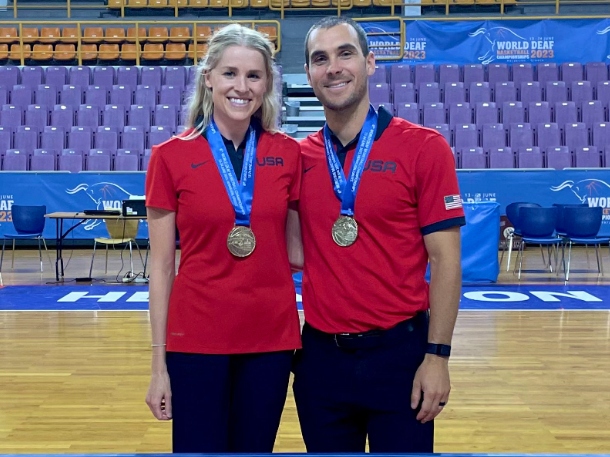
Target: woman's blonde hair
column 200, row 106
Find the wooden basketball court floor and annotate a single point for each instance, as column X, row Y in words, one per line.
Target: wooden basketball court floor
column 522, row 381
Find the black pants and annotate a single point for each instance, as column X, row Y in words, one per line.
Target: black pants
column 347, row 388
column 227, row 403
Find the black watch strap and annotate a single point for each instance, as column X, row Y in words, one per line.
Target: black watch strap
column 442, row 350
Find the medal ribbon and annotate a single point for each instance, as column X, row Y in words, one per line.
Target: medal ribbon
column 240, row 193
column 345, row 190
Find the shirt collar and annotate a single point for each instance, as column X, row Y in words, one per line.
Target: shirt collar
column 384, row 117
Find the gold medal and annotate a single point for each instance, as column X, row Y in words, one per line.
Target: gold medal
column 345, row 231
column 241, row 241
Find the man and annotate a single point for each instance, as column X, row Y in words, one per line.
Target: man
column 379, row 199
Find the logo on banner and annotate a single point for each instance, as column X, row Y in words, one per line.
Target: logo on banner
column 6, row 202
column 604, row 32
column 383, row 43
column 105, row 195
column 476, row 197
column 505, row 44
column 593, row 192
column 415, row 49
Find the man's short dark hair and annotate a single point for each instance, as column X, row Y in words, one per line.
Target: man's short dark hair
column 331, row 21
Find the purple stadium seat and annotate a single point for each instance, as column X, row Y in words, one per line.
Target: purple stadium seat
column 11, row 116
column 175, row 76
column 147, row 95
column 15, row 160
column 581, row 91
column 9, row 76
column 479, row 92
column 558, row 158
column 152, row 76
column 601, row 135
column 404, row 93
column 530, row 158
column 133, row 138
column 444, row 130
column 548, row 135
column 497, row 72
column 180, row 129
column 127, row 76
column 80, row 138
column 565, row 112
column 408, row 111
column 26, row 138
column 473, row 73
column 607, row 157
column 32, row 76
column 103, row 76
column 505, row 92
column 56, row 76
column 22, row 95
column 43, row 160
column 556, row 91
column 98, row 160
column 571, row 71
column 106, row 138
column 530, row 92
column 493, row 136
column 3, row 96
column 166, row 115
column 127, row 160
column 520, row 136
column 378, row 93
column 96, row 96
column 596, row 72
column 399, row 74
column 145, row 159
column 79, row 76
column 6, row 138
column 473, row 158
column 380, row 75
column 547, row 72
column 387, row 105
column 434, row 113
column 592, row 112
column 37, row 116
column 121, row 95
column 139, row 115
column 465, row 136
column 485, row 113
column 575, row 135
column 170, row 95
column 114, row 116
column 602, row 93
column 183, row 113
column 587, row 157
column 512, row 113
column 53, row 138
column 522, row 72
column 428, row 93
column 158, row 134
column 70, row 160
column 501, row 158
column 62, row 116
column 46, row 95
column 88, row 116
column 460, row 113
column 454, row 92
column 424, row 73
column 448, row 73
column 71, row 95
column 538, row 113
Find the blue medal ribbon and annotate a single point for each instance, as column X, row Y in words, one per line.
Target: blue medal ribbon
column 240, row 193
column 345, row 189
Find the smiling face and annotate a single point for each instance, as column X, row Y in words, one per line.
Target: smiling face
column 238, row 83
column 338, row 71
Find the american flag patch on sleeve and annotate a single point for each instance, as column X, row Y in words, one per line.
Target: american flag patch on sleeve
column 453, row 201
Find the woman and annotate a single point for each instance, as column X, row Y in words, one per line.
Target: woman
column 225, row 328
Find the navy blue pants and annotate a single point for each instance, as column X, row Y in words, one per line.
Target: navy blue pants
column 349, row 387
column 227, row 403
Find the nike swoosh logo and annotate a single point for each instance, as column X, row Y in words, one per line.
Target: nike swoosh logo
column 307, row 169
column 197, row 165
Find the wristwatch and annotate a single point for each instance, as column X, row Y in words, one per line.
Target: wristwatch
column 442, row 350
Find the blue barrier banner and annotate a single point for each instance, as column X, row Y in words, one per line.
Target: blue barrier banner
column 480, row 237
column 486, row 42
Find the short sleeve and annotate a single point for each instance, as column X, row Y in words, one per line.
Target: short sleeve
column 160, row 189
